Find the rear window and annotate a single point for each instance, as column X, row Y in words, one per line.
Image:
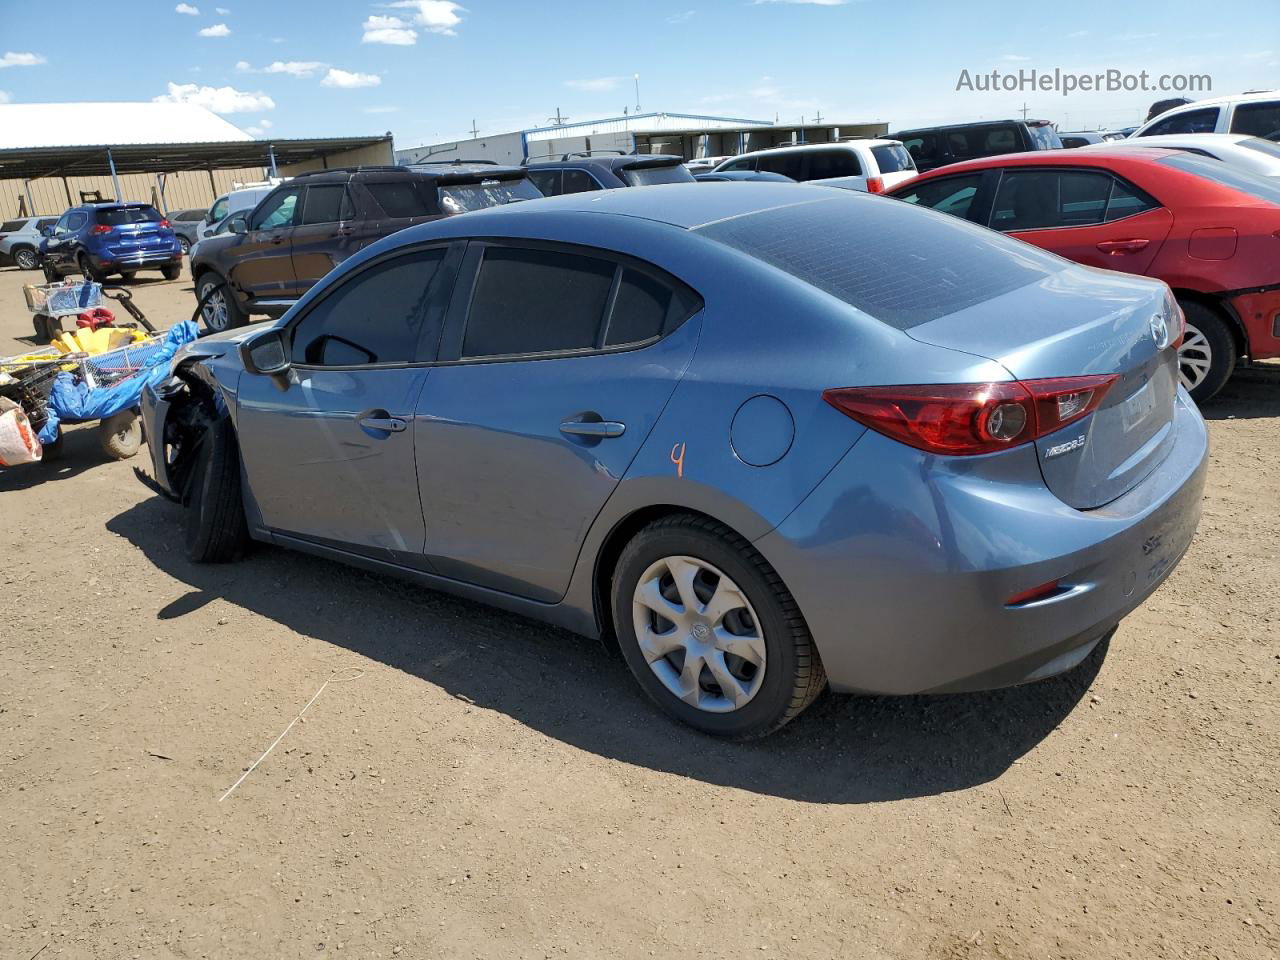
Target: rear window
column 410, row 197
column 648, row 176
column 461, row 197
column 1264, row 188
column 120, row 216
column 1044, row 137
column 892, row 158
column 11, row 226
column 902, row 266
column 968, row 142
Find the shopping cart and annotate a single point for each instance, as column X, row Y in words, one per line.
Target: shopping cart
column 50, row 303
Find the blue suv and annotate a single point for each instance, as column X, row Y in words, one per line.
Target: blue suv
column 99, row 239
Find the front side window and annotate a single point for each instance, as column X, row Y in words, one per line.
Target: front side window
column 547, row 181
column 1044, row 137
column 923, row 148
column 218, row 210
column 1257, row 119
column 953, row 195
column 326, row 203
column 749, row 163
column 374, row 317
column 536, row 301
column 1188, row 121
column 277, row 210
column 828, row 164
column 75, row 221
column 579, row 181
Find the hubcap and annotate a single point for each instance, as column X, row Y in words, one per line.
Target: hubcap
column 215, row 311
column 699, row 634
column 26, row 259
column 1195, row 358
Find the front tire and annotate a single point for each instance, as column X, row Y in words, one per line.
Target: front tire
column 25, row 258
column 1207, row 355
column 710, row 632
column 216, row 531
column 219, row 311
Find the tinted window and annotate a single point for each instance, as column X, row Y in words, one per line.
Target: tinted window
column 982, row 141
column 1264, row 188
column 461, row 197
column 1082, row 198
column 76, row 221
column 375, row 317
column 640, row 310
column 647, row 176
column 1125, row 201
column 120, row 216
column 277, row 210
column 326, row 203
column 547, row 181
column 536, row 301
column 902, row 266
column 47, row 222
column 953, row 195
column 923, row 148
column 891, row 158
column 579, row 181
column 1257, row 119
column 1043, row 137
column 1072, row 142
column 12, row 226
column 747, row 164
column 788, row 164
column 826, row 164
column 1189, row 121
column 404, row 198
column 1026, row 200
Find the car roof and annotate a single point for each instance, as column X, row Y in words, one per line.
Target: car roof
column 898, row 135
column 805, row 147
column 612, row 161
column 1220, row 101
column 1191, row 139
column 1077, row 156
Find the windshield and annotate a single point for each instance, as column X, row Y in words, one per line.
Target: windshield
column 120, row 216
column 893, row 158
column 1263, row 188
column 461, row 197
column 1043, row 137
column 648, row 176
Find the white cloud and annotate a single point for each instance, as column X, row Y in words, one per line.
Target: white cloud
column 12, row 59
column 388, row 30
column 243, row 66
column 221, row 11
column 595, row 85
column 303, row 69
column 217, row 30
column 265, row 124
column 349, row 80
column 5, row 96
column 1015, row 58
column 681, row 17
column 217, row 99
column 380, row 109
column 436, row 16
column 256, row 131
column 188, row 9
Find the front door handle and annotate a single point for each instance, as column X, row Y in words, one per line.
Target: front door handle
column 1122, row 246
column 597, row 429
column 386, row 424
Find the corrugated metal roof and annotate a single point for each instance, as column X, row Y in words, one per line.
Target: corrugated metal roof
column 84, row 124
column 642, row 123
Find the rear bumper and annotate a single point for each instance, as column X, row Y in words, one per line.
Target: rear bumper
column 139, row 259
column 902, row 563
column 1259, row 311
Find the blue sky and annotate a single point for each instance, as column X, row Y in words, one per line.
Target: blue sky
column 425, row 69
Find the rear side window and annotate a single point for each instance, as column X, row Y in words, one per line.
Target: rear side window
column 120, row 216
column 901, row 266
column 983, row 141
column 326, row 203
column 536, row 301
column 953, row 195
column 891, row 158
column 648, row 176
column 579, row 181
column 640, row 309
column 1264, row 188
column 788, row 164
column 410, row 197
column 1189, row 121
column 1125, row 201
column 1257, row 119
column 12, row 226
column 374, row 317
column 828, row 164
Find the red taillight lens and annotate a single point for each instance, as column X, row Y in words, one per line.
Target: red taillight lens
column 963, row 420
column 101, row 228
column 875, row 185
column 164, row 223
column 1042, row 592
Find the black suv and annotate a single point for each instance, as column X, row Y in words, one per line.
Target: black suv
column 581, row 172
column 274, row 253
column 933, row 147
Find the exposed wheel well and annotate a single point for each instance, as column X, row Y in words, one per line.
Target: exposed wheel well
column 611, row 550
column 1210, row 302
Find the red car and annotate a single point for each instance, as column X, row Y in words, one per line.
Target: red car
column 1209, row 230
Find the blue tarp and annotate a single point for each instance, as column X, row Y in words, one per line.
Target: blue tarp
column 71, row 400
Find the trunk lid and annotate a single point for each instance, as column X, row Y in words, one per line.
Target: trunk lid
column 1078, row 322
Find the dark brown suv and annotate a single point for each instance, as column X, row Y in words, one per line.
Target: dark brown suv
column 273, row 254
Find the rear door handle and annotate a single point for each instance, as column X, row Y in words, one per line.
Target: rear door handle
column 387, row 424
column 1122, row 246
column 598, row 429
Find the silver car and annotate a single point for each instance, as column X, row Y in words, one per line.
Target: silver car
column 770, row 438
column 20, row 241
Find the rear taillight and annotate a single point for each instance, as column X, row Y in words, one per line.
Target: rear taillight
column 101, row 228
column 163, row 223
column 875, row 184
column 963, row 420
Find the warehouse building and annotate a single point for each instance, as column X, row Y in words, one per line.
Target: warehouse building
column 684, row 134
column 172, row 155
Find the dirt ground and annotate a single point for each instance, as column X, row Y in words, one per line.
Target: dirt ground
column 476, row 785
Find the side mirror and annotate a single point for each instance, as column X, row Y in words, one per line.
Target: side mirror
column 265, row 353
column 239, row 226
column 46, row 231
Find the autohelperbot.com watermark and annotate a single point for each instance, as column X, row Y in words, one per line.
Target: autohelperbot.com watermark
column 1067, row 82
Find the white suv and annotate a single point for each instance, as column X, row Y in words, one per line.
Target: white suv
column 1254, row 114
column 871, row 165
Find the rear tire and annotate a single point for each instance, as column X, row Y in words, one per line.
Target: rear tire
column 216, row 529
column 171, row 271
column 25, row 258
column 219, row 311
column 50, row 274
column 779, row 673
column 121, row 435
column 1207, row 356
column 88, row 270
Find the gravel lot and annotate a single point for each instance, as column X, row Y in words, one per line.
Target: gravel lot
column 482, row 786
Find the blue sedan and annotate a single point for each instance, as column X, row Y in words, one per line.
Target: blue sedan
column 771, row 439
